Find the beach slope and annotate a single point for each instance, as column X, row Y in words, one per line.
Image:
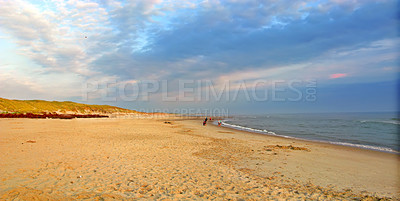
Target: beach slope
column 180, row 159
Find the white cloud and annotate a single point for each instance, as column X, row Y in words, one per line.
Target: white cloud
column 361, row 63
column 51, row 37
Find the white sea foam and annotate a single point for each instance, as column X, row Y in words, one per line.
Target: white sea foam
column 384, row 122
column 264, row 131
column 365, row 146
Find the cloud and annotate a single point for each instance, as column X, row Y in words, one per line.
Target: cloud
column 221, row 35
column 31, row 84
column 338, row 75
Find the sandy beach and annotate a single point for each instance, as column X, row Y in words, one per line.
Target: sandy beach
column 106, row 159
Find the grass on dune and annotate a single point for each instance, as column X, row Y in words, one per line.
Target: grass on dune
column 40, row 106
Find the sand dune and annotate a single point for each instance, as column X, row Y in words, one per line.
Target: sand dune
column 150, row 159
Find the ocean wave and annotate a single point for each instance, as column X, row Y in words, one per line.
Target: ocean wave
column 246, row 128
column 264, row 131
column 382, row 121
column 366, row 146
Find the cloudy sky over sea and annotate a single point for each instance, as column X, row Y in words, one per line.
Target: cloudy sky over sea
column 346, row 49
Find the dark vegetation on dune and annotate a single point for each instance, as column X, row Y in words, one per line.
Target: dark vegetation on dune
column 50, row 115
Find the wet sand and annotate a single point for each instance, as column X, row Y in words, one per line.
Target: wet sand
column 180, row 159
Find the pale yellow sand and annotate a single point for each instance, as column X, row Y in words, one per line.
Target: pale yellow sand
column 127, row 158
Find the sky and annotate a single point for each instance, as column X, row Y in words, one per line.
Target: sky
column 261, row 57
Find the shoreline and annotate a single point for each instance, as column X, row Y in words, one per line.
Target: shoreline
column 345, row 144
column 345, row 152
column 364, row 151
column 319, row 143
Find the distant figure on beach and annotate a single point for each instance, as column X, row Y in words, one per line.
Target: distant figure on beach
column 205, row 121
column 219, row 122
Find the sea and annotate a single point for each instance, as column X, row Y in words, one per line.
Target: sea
column 377, row 131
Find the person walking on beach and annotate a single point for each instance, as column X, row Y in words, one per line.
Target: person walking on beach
column 205, row 121
column 219, row 122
